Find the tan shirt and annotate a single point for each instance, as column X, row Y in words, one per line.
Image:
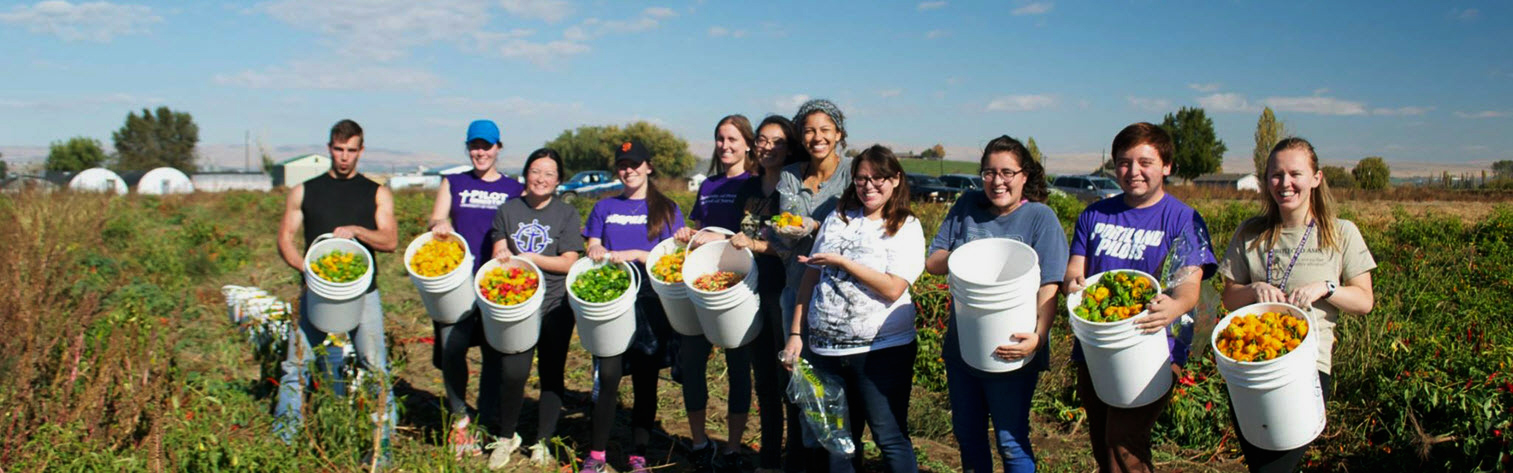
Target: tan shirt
column 1243, row 265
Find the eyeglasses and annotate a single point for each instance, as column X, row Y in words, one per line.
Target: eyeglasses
column 540, row 173
column 1002, row 174
column 877, row 181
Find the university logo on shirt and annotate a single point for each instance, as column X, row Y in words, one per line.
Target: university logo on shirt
column 1118, row 241
column 618, row 219
column 532, row 237
column 481, row 199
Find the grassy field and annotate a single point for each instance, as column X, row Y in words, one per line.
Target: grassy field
column 119, row 355
column 936, row 168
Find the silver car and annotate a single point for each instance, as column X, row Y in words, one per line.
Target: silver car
column 1087, row 188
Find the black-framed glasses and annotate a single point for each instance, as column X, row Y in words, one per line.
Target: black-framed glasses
column 1004, row 174
column 858, row 181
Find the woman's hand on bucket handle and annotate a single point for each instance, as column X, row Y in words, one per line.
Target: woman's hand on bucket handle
column 442, row 229
column 684, row 234
column 1073, row 284
column 597, row 252
column 1028, row 343
column 1304, row 296
column 502, row 253
column 1266, row 292
column 1162, row 311
column 792, row 350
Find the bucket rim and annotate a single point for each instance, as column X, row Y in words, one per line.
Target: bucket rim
column 1256, row 309
column 421, row 240
column 494, row 263
column 1074, row 300
column 985, row 242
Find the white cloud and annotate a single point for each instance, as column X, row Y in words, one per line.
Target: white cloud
column 1150, row 104
column 659, row 12
column 718, row 31
column 1401, row 111
column 541, row 54
column 1021, row 103
column 1475, row 148
column 383, row 30
column 1482, row 114
column 325, row 76
column 550, row 11
column 1036, row 8
column 890, row 92
column 82, row 102
column 1226, row 102
column 1320, row 91
column 514, row 106
column 932, row 34
column 93, row 21
column 1464, row 14
column 791, row 102
column 1209, row 87
column 650, row 19
column 1316, row 105
column 926, row 6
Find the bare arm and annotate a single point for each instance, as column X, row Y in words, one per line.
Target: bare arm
column 1172, row 303
column 890, row 286
column 795, row 344
column 384, row 238
column 936, row 263
column 1076, row 274
column 1354, row 296
column 1045, row 312
column 441, row 211
column 294, row 216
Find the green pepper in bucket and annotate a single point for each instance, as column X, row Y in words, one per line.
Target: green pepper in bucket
column 602, row 284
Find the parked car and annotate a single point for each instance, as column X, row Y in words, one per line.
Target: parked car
column 930, row 189
column 963, row 182
column 1087, row 188
column 588, row 184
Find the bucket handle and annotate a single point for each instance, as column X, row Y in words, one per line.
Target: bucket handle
column 711, row 229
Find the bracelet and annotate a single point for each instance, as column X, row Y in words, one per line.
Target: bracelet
column 795, row 334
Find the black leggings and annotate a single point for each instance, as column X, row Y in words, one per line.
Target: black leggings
column 771, row 381
column 551, row 350
column 649, row 352
column 693, row 357
column 513, row 370
column 1260, row 460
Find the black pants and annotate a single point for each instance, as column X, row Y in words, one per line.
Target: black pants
column 771, row 381
column 1260, row 460
column 551, row 351
column 654, row 347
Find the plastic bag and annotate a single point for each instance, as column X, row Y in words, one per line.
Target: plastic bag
column 823, row 402
column 1183, row 263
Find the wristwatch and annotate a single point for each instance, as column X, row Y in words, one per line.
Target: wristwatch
column 1331, row 286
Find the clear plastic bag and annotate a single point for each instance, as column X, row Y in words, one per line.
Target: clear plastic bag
column 823, row 402
column 1184, row 263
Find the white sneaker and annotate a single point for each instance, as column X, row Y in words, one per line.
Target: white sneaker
column 501, row 451
column 541, row 454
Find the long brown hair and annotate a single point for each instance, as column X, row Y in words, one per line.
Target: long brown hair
column 659, row 208
column 743, row 126
column 1320, row 204
column 896, row 208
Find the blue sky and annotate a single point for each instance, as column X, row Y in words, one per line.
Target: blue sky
column 1428, row 83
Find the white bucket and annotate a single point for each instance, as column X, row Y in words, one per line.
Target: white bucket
column 728, row 317
column 604, row 328
column 674, row 296
column 993, row 282
column 335, row 307
column 514, row 328
column 1279, row 403
column 446, row 297
column 1128, row 368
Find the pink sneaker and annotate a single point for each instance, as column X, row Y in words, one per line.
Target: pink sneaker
column 638, row 464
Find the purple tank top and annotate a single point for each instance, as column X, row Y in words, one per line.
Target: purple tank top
column 474, row 202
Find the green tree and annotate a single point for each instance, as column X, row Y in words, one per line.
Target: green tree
column 1502, row 169
column 1372, row 173
column 76, row 154
column 1035, row 154
column 939, row 151
column 1199, row 150
column 1269, row 131
column 4, row 169
column 593, row 147
column 1338, row 177
column 157, row 139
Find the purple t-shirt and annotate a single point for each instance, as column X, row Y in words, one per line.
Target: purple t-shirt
column 1112, row 235
column 474, row 202
column 716, row 205
column 620, row 223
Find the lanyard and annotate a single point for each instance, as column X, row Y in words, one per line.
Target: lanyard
column 1295, row 254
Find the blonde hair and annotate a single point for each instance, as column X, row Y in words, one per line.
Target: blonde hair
column 1320, row 203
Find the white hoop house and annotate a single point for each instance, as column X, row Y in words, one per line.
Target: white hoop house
column 164, row 180
column 98, row 180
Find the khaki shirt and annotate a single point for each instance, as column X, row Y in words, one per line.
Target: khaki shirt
column 1243, row 265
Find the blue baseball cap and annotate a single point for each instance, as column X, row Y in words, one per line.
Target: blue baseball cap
column 483, row 130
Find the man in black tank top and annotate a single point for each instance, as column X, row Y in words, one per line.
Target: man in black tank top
column 346, row 204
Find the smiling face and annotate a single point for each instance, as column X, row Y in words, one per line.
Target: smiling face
column 821, row 136
column 731, row 148
column 873, row 186
column 483, row 154
column 1003, row 192
column 771, row 146
column 1140, row 173
column 1292, row 180
column 542, row 177
column 344, row 155
column 633, row 174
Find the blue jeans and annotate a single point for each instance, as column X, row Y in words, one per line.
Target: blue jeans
column 975, row 396
column 877, row 385
column 368, row 338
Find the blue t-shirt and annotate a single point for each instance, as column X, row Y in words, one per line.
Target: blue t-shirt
column 621, row 223
column 716, row 204
column 1033, row 224
column 1112, row 235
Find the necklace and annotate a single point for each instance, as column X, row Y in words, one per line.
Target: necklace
column 1271, row 253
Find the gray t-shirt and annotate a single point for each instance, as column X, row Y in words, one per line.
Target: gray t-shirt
column 550, row 231
column 796, row 199
column 1245, row 262
column 1033, row 224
